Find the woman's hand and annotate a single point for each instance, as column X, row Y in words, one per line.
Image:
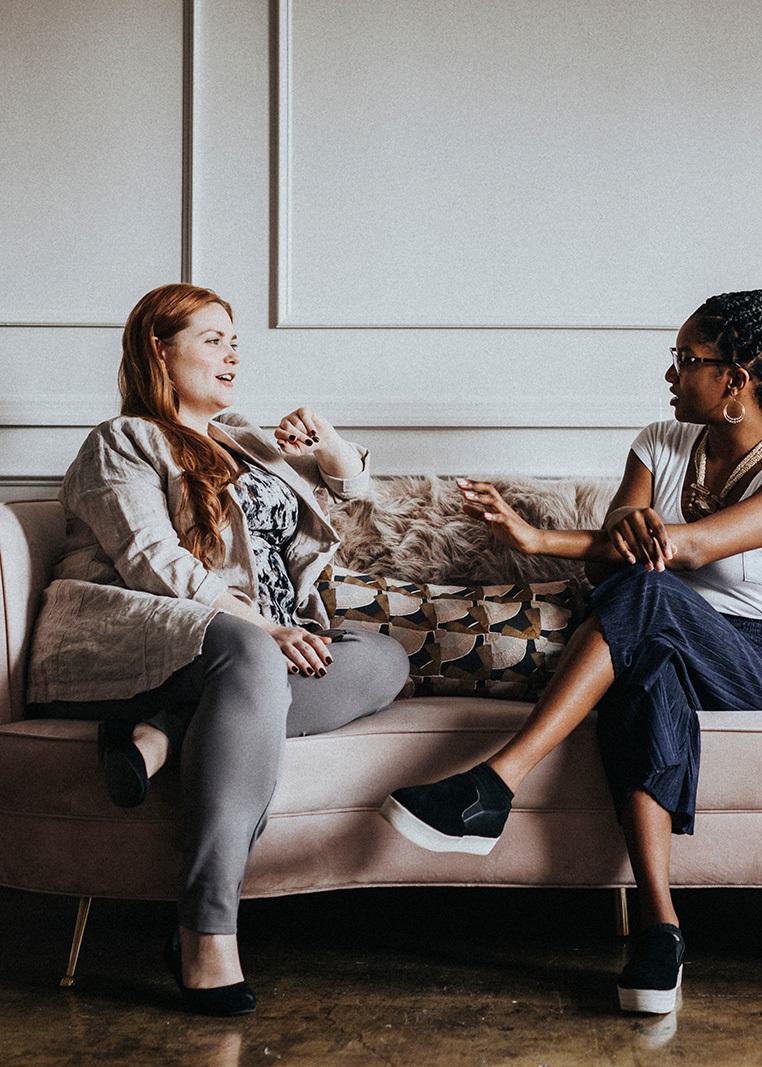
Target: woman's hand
column 640, row 536
column 304, row 432
column 306, row 653
column 481, row 500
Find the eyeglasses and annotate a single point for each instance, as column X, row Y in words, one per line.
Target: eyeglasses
column 681, row 360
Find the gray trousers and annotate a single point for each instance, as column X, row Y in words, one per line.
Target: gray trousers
column 228, row 713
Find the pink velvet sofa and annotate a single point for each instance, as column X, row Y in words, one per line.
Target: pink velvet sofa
column 59, row 832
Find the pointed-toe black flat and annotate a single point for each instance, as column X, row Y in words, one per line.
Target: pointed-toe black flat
column 123, row 765
column 236, row 999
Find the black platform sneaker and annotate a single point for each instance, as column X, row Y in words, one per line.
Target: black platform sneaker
column 463, row 813
column 652, row 977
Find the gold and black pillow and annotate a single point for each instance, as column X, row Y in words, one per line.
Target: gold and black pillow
column 465, row 640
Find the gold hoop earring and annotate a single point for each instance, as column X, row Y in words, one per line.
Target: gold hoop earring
column 734, row 419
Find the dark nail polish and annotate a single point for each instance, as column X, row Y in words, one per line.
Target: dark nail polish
column 308, row 441
column 310, row 670
column 315, row 438
column 321, row 672
column 292, row 437
column 328, row 659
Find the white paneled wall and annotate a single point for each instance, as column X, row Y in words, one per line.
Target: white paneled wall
column 90, row 167
column 511, row 163
column 464, row 229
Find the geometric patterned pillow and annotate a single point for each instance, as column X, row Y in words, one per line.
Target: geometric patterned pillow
column 477, row 640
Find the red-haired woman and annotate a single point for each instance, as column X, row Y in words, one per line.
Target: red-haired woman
column 184, row 613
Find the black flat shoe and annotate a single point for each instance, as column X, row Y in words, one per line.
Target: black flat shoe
column 236, row 999
column 463, row 813
column 123, row 765
column 651, row 980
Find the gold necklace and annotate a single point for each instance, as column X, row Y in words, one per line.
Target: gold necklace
column 703, row 501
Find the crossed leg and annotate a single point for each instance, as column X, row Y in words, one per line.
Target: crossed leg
column 584, row 674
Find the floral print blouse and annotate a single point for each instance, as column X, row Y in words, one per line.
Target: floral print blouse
column 272, row 511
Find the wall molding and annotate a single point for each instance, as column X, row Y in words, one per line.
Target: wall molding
column 284, row 111
column 31, row 480
column 281, row 141
column 190, row 43
column 61, row 325
column 283, row 324
column 576, row 412
column 188, row 57
column 14, row 489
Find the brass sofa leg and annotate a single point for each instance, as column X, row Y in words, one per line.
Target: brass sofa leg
column 76, row 942
column 621, row 912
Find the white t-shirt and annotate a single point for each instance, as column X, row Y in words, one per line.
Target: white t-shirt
column 732, row 585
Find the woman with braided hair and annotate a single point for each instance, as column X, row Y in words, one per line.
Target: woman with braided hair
column 675, row 625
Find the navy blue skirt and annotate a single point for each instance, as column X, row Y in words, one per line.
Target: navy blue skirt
column 673, row 654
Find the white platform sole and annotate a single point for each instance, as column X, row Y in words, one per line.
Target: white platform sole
column 420, row 833
column 654, row 1001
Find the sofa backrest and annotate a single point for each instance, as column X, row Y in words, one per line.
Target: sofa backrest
column 413, row 528
column 31, row 534
column 410, row 527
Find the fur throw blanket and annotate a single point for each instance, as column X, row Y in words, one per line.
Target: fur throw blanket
column 413, row 528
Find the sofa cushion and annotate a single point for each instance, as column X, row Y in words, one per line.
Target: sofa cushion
column 462, row 640
column 50, row 767
column 61, row 833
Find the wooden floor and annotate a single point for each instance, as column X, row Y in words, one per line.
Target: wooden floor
column 372, row 978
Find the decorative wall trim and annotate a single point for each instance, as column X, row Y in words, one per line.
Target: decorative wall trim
column 186, row 223
column 13, row 489
column 284, row 324
column 61, row 325
column 273, row 163
column 281, row 141
column 527, row 411
column 285, row 160
column 73, row 410
column 42, row 480
column 188, row 137
column 338, row 326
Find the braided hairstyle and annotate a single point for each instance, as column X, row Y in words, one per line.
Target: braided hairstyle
column 733, row 323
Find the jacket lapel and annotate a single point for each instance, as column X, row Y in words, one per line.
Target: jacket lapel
column 252, row 442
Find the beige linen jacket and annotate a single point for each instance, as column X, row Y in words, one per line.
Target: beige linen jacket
column 128, row 606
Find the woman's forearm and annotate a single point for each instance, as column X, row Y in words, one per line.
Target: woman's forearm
column 594, row 546
column 339, row 459
column 591, row 545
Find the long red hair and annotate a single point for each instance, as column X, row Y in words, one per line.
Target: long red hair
column 147, row 391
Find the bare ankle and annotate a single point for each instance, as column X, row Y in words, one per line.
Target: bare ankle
column 510, row 776
column 209, row 960
column 153, row 746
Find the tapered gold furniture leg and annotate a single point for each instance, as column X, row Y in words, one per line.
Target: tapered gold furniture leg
column 622, row 914
column 76, row 942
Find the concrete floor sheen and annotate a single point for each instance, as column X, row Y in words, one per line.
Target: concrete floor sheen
column 380, row 978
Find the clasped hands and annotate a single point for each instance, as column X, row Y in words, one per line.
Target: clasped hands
column 638, row 535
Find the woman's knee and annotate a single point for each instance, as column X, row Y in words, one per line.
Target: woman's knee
column 238, row 645
column 385, row 668
column 653, row 584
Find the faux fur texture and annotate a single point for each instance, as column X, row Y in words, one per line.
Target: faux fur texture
column 413, row 528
